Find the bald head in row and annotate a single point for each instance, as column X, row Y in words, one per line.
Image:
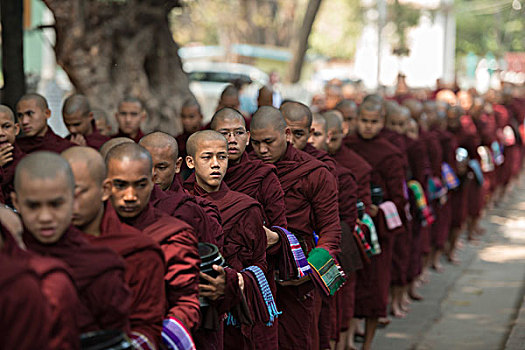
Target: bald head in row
column 89, row 160
column 268, row 117
column 200, row 137
column 226, row 113
column 106, row 147
column 164, row 153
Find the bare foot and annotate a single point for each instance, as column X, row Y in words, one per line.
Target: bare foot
column 453, row 260
column 437, row 267
column 398, row 314
column 383, row 322
column 415, row 295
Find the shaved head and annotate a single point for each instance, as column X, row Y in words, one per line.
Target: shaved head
column 43, row 166
column 129, row 151
column 40, row 100
column 226, row 113
column 89, row 157
column 265, row 97
column 108, row 145
column 334, row 120
column 267, row 117
column 7, row 111
column 76, row 103
column 318, row 118
column 195, row 139
column 296, row 112
column 160, row 139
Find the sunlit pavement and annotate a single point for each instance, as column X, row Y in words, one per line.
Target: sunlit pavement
column 473, row 305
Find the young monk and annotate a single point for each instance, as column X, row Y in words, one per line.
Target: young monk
column 129, row 178
column 10, row 153
column 348, row 109
column 101, row 121
column 44, row 192
column 191, row 118
column 33, row 112
column 388, row 174
column 311, row 205
column 244, row 236
column 79, row 120
column 130, row 115
column 143, row 257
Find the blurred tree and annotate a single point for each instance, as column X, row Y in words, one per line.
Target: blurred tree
column 114, row 48
column 11, row 13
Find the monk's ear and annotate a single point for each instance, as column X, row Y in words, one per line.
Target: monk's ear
column 17, row 129
column 190, row 162
column 47, row 113
column 178, row 165
column 248, row 138
column 14, row 199
column 106, row 189
column 143, row 115
column 288, row 134
column 90, row 116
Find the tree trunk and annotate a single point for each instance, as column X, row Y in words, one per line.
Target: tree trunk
column 300, row 41
column 12, row 51
column 113, row 49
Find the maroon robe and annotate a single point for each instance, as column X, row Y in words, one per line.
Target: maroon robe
column 244, row 246
column 7, row 175
column 179, row 244
column 22, row 303
column 58, row 288
column 98, row 273
column 144, row 275
column 49, row 142
column 311, row 206
column 95, row 139
column 361, row 170
column 136, row 139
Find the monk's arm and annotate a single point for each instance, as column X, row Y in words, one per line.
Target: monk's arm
column 321, row 191
column 272, row 200
column 253, row 228
column 364, row 194
column 394, row 176
column 182, row 277
column 348, row 199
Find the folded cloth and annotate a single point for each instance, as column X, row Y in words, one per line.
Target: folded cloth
column 176, row 336
column 266, row 293
column 392, row 218
column 425, row 214
column 487, row 161
column 326, row 272
column 374, row 239
column 140, row 341
column 509, row 137
column 436, row 189
column 303, row 268
column 476, row 169
column 449, row 175
column 286, row 266
column 367, row 249
column 497, row 152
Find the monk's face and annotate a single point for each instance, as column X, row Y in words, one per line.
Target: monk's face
column 412, row 130
column 397, row 122
column 88, row 195
column 238, row 138
column 129, row 117
column 103, row 127
column 318, row 136
column 45, row 205
column 164, row 165
column 349, row 119
column 300, row 132
column 369, row 124
column 8, row 130
column 130, row 182
column 32, row 118
column 79, row 123
column 210, row 163
column 191, row 119
column 270, row 144
column 334, row 140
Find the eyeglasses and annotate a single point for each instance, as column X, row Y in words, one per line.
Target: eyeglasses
column 236, row 133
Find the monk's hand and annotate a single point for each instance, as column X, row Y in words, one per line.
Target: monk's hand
column 11, row 221
column 78, row 139
column 296, row 282
column 271, row 237
column 241, row 282
column 215, row 287
column 6, row 153
column 373, row 209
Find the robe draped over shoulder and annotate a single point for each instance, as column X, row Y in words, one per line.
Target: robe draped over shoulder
column 49, row 142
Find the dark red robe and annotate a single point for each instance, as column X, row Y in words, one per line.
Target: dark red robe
column 58, row 287
column 7, row 175
column 179, row 244
column 95, row 139
column 98, row 273
column 244, row 246
column 144, row 275
column 49, row 142
column 361, row 170
column 137, row 138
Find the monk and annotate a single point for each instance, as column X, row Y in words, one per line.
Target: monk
column 56, row 284
column 130, row 115
column 265, row 96
column 244, row 236
column 44, row 192
column 33, row 112
column 311, row 205
column 388, row 174
column 101, row 121
column 10, row 153
column 143, row 257
column 348, row 109
column 168, row 194
column 129, row 179
column 79, row 120
column 229, row 98
column 106, row 147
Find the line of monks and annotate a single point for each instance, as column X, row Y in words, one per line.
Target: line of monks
column 286, row 229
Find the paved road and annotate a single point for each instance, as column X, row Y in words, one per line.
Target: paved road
column 473, row 305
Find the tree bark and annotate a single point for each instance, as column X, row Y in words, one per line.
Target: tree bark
column 113, row 49
column 12, row 51
column 300, row 42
